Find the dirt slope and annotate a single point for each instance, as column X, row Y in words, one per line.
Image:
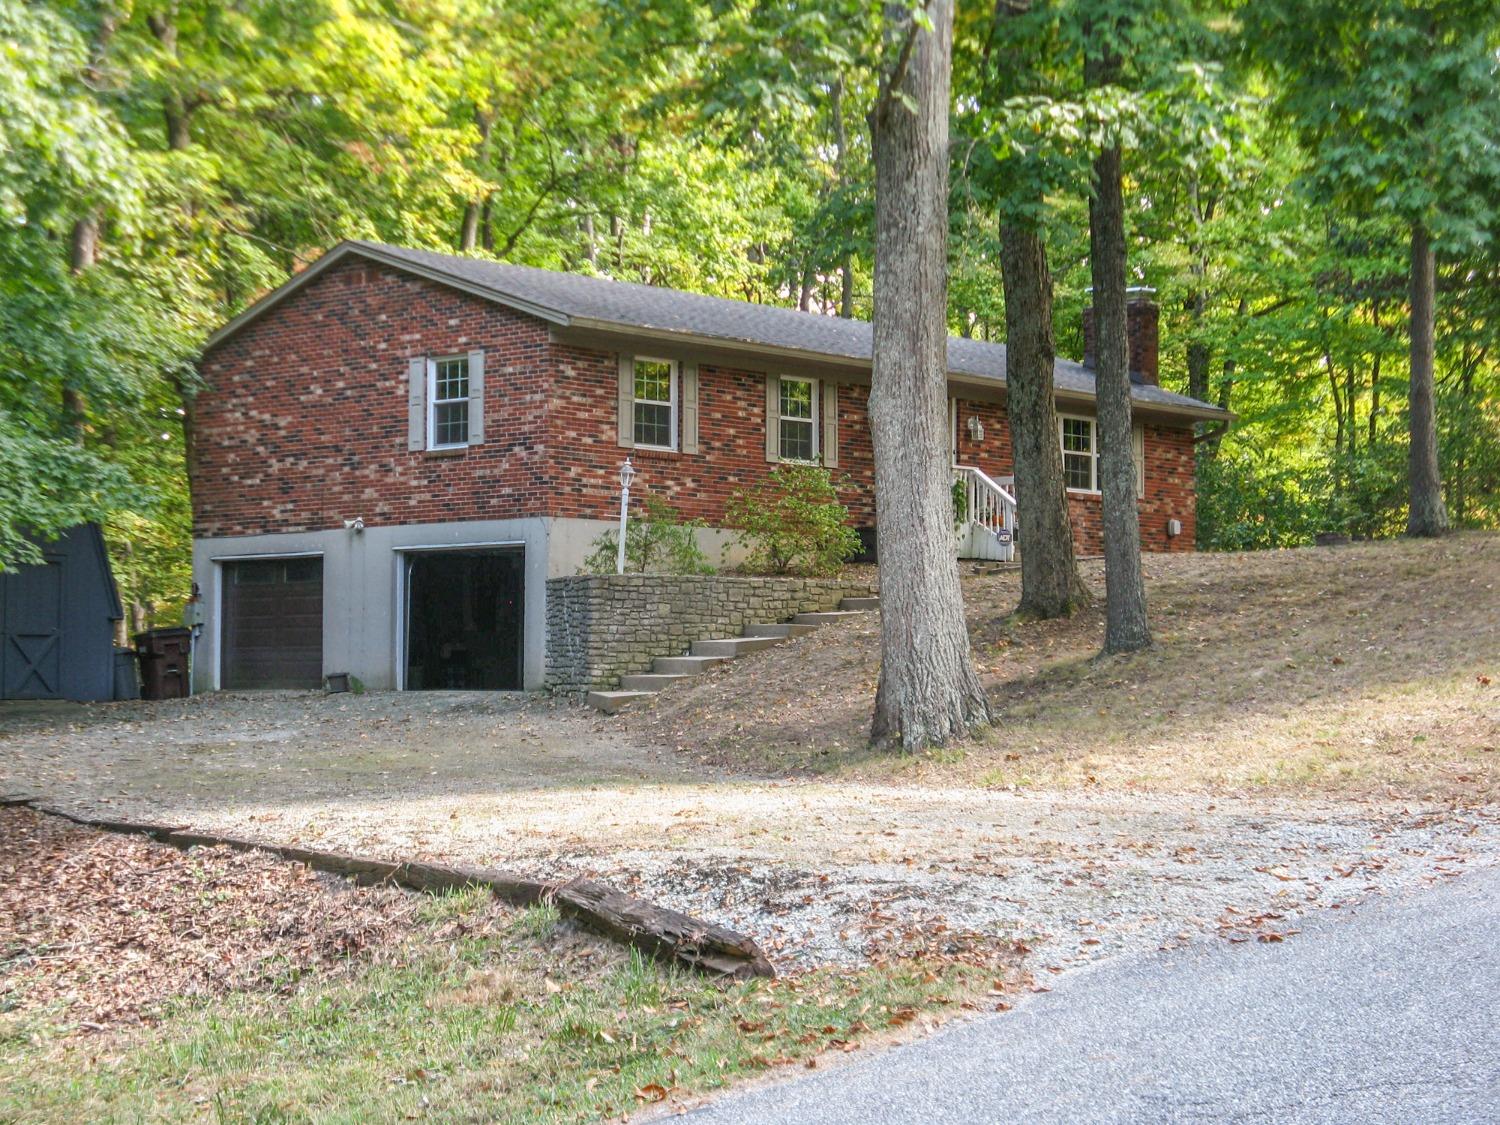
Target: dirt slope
column 1362, row 669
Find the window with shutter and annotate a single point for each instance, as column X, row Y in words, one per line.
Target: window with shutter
column 654, row 403
column 448, row 402
column 798, row 419
column 1080, row 453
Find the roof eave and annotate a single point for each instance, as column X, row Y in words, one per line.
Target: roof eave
column 723, row 343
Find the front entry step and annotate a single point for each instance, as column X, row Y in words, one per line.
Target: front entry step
column 706, row 653
column 732, row 647
column 611, row 701
column 650, row 681
column 783, row 629
column 827, row 617
column 685, row 665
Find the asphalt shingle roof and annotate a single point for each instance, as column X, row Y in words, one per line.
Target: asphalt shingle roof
column 569, row 298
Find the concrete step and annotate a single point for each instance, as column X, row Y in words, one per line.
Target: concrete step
column 827, row 617
column 649, row 681
column 685, row 665
column 860, row 603
column 611, row 701
column 730, row 647
column 784, row 629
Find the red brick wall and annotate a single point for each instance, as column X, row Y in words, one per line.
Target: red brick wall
column 583, row 430
column 302, row 420
column 1169, row 495
column 302, row 424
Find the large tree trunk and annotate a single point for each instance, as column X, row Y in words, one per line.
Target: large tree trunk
column 1428, row 515
column 929, row 692
column 1126, row 626
column 1050, row 585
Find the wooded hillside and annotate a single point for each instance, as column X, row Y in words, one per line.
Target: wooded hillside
column 164, row 163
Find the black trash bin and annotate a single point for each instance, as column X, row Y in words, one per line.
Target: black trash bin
column 164, row 655
column 127, row 674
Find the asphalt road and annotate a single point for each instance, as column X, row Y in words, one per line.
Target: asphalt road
column 1388, row 1012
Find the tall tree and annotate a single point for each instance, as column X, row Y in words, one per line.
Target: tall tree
column 1020, row 36
column 1126, row 626
column 1395, row 100
column 929, row 692
column 1050, row 583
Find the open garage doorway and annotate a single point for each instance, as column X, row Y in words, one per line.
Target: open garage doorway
column 464, row 611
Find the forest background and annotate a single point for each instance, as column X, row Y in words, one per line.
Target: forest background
column 164, row 164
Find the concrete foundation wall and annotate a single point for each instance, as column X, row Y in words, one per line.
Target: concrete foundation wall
column 600, row 628
column 362, row 591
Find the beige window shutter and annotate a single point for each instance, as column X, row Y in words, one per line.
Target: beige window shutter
column 830, row 424
column 476, row 398
column 416, row 403
column 627, row 401
column 1138, row 451
column 773, row 418
column 690, row 407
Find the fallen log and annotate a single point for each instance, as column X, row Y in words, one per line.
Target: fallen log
column 666, row 935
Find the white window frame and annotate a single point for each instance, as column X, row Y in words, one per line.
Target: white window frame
column 433, row 402
column 815, row 419
column 672, row 396
column 1093, row 455
column 1137, row 445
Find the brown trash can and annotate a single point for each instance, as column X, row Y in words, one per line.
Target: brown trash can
column 164, row 655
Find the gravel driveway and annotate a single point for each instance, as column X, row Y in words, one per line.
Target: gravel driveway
column 820, row 872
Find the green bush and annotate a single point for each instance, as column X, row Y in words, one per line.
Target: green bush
column 960, row 493
column 658, row 542
column 792, row 522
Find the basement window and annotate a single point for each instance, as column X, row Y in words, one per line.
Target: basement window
column 448, row 402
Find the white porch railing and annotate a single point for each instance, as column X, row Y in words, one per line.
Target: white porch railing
column 989, row 526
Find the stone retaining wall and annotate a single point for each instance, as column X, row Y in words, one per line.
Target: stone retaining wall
column 602, row 627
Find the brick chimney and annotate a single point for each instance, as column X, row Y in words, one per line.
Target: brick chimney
column 1141, row 335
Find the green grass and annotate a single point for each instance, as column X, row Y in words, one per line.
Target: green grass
column 507, row 1026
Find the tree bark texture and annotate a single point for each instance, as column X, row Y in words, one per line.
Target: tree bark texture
column 1050, row 585
column 1126, row 626
column 1428, row 514
column 929, row 692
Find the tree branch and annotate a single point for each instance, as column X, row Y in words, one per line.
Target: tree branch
column 898, row 73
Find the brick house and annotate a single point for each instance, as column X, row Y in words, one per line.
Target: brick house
column 397, row 448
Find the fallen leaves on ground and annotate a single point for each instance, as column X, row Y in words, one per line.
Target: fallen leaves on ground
column 102, row 928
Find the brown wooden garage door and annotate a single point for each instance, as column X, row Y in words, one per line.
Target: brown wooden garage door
column 273, row 624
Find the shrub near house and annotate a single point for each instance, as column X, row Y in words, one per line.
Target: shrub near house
column 657, row 541
column 792, row 522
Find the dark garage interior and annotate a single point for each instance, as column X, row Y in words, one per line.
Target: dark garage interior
column 464, row 615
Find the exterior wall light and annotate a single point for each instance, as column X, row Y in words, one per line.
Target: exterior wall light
column 976, row 428
column 627, row 474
